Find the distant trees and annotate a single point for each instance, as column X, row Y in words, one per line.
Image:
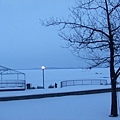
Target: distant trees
column 94, row 27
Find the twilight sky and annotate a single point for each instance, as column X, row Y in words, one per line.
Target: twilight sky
column 25, row 43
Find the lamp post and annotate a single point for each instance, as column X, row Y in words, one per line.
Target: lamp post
column 43, row 68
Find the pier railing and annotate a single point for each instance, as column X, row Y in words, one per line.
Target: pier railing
column 83, row 82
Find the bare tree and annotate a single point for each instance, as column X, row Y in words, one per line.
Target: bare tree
column 94, row 26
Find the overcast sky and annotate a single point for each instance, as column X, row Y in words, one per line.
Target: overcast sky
column 25, row 43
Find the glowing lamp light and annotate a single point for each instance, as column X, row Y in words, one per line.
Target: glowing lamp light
column 43, row 67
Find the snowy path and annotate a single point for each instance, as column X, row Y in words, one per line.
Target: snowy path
column 54, row 90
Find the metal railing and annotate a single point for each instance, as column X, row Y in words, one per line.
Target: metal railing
column 84, row 82
column 13, row 84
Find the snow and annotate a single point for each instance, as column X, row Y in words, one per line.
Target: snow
column 84, row 107
column 54, row 90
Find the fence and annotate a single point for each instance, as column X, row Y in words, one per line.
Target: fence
column 13, row 84
column 84, row 82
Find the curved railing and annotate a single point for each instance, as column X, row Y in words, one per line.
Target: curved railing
column 83, row 82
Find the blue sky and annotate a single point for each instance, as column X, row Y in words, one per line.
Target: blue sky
column 25, row 43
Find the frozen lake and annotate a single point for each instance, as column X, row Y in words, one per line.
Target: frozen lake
column 52, row 76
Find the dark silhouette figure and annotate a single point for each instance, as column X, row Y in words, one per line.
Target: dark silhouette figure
column 55, row 85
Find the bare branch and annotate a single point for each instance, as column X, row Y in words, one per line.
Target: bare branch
column 114, row 8
column 117, row 74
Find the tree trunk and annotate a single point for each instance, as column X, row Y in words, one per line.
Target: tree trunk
column 114, row 110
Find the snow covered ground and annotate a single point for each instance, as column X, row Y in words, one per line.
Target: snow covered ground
column 54, row 90
column 81, row 107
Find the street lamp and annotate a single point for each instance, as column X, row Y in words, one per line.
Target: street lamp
column 43, row 68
